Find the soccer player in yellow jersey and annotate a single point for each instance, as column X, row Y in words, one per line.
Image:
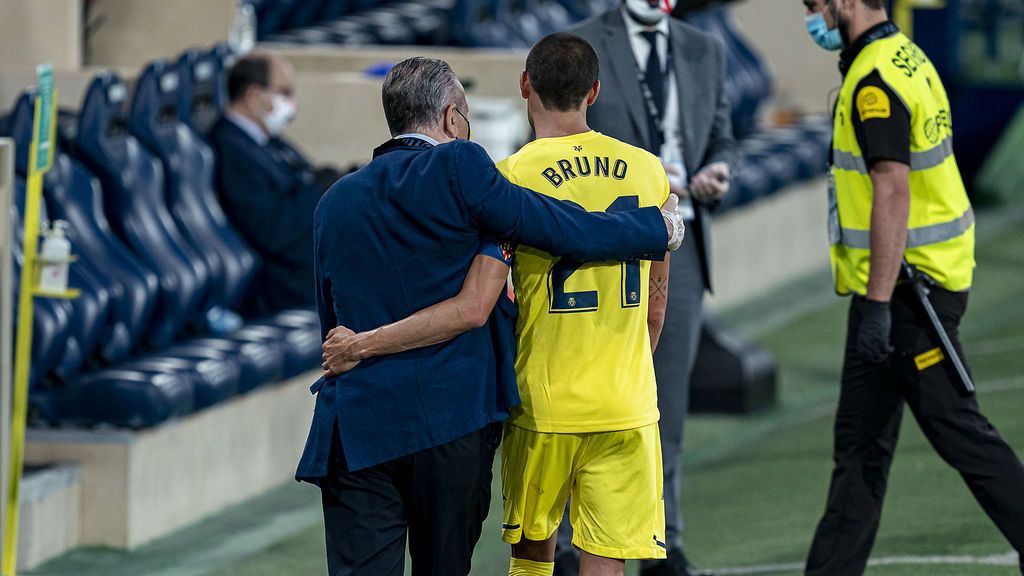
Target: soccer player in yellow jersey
column 587, row 425
column 586, row 430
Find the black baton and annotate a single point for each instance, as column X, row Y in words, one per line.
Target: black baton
column 920, row 284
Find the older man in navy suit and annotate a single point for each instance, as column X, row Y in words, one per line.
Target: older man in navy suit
column 402, row 445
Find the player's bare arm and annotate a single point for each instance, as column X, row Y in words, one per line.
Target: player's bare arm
column 658, row 292
column 468, row 309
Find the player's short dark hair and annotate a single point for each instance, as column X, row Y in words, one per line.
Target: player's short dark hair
column 562, row 68
column 249, row 70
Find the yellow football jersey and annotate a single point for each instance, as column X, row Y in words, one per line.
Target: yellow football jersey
column 584, row 362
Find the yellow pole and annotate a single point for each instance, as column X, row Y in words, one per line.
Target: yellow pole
column 23, row 344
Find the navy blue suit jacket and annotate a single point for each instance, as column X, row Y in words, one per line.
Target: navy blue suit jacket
column 269, row 194
column 398, row 236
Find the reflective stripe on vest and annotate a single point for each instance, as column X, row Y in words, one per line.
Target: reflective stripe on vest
column 916, row 237
column 918, row 160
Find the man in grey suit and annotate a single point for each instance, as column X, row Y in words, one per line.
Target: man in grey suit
column 670, row 101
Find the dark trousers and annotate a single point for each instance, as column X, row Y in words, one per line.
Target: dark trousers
column 439, row 497
column 868, row 422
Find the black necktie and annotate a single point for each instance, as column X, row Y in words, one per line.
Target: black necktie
column 655, row 80
column 653, row 73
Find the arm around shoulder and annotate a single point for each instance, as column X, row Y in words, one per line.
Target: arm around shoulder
column 500, row 209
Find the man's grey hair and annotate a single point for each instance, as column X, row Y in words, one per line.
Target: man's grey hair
column 416, row 92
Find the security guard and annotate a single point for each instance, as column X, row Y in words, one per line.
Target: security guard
column 897, row 194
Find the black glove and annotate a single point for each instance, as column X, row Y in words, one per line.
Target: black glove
column 873, row 333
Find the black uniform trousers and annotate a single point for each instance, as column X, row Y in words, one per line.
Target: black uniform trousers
column 868, row 421
column 439, row 497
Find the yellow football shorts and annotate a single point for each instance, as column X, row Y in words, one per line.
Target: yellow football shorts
column 613, row 478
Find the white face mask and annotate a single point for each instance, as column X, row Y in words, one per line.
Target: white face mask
column 649, row 12
column 282, row 113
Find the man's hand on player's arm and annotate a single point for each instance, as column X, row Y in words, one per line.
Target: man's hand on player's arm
column 658, row 299
column 468, row 309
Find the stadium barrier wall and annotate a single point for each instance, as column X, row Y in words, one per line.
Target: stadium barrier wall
column 51, row 500
column 490, row 72
column 140, row 485
column 33, row 32
column 804, row 73
column 769, row 243
column 133, row 32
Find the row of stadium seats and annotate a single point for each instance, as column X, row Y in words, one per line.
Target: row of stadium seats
column 159, row 260
column 471, row 23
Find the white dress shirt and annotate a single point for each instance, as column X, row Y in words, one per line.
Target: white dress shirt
column 672, row 146
column 418, row 136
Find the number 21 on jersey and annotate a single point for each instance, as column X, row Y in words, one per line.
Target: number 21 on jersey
column 562, row 302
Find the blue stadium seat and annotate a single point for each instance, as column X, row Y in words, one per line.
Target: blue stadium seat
column 429, row 20
column 133, row 191
column 479, row 23
column 141, row 398
column 51, row 321
column 202, row 94
column 772, row 159
column 306, row 13
column 272, row 16
column 553, row 16
column 383, row 26
column 187, row 167
column 339, row 32
column 73, row 194
column 331, row 9
column 117, row 397
column 66, row 338
column 259, row 362
column 213, row 379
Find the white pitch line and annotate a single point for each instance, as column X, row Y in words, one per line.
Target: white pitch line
column 1002, row 384
column 1008, row 559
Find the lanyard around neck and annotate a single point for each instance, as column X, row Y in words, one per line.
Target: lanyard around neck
column 652, row 108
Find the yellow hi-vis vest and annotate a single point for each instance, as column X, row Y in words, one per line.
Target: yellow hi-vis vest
column 940, row 239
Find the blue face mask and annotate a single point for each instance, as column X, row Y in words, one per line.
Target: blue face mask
column 818, row 29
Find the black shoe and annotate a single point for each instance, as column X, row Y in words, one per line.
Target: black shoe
column 675, row 565
column 567, row 564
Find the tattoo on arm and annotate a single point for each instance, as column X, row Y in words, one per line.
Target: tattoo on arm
column 658, row 288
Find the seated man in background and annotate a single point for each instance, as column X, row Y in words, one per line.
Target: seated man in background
column 267, row 188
